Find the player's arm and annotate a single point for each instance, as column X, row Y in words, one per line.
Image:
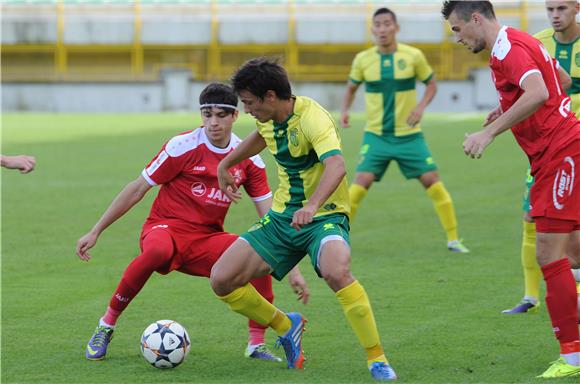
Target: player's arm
column 263, row 206
column 250, row 146
column 349, row 95
column 125, row 200
column 23, row 163
column 417, row 113
column 298, row 284
column 334, row 172
column 535, row 94
column 565, row 78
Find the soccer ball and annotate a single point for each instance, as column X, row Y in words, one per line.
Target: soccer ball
column 165, row 344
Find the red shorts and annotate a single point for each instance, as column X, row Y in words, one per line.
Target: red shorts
column 197, row 248
column 555, row 195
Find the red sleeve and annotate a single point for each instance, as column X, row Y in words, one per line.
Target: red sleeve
column 256, row 184
column 519, row 63
column 163, row 168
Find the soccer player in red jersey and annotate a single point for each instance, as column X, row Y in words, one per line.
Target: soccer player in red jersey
column 184, row 230
column 535, row 107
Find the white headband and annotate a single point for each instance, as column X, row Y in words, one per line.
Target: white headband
column 227, row 106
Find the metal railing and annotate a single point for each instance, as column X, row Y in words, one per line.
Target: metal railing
column 214, row 60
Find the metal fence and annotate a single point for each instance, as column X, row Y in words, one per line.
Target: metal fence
column 135, row 40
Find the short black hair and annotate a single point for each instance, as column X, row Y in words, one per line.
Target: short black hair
column 386, row 10
column 261, row 75
column 464, row 9
column 219, row 93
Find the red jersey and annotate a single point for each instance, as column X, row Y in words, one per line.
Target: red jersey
column 186, row 167
column 516, row 55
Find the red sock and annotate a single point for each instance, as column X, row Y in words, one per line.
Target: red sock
column 264, row 286
column 562, row 300
column 157, row 251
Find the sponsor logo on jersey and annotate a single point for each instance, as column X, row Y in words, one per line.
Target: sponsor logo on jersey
column 565, row 107
column 577, row 59
column 199, row 168
column 387, row 62
column 217, row 194
column 157, row 162
column 160, row 226
column 563, row 183
column 198, row 189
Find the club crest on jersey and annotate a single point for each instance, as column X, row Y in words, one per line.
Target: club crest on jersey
column 237, row 175
column 563, row 183
column 294, row 137
column 198, row 189
column 402, row 64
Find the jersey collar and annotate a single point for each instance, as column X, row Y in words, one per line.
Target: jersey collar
column 501, row 43
column 212, row 147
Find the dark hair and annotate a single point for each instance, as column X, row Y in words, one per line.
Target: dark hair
column 464, row 9
column 380, row 11
column 219, row 93
column 261, row 75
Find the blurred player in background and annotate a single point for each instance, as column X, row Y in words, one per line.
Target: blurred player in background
column 184, row 230
column 309, row 214
column 24, row 163
column 533, row 104
column 562, row 42
column 389, row 72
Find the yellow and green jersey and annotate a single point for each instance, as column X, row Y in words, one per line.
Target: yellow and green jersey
column 568, row 55
column 299, row 145
column 389, row 82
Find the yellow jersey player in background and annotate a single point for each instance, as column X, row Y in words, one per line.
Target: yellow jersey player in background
column 389, row 71
column 562, row 42
column 309, row 214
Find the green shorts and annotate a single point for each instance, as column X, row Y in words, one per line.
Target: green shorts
column 282, row 246
column 410, row 152
column 529, row 183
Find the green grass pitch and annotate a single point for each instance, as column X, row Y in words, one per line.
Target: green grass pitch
column 438, row 313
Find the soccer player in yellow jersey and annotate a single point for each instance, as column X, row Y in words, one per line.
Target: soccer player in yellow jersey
column 389, row 71
column 562, row 42
column 309, row 214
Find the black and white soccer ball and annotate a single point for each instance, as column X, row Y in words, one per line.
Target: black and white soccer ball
column 165, row 344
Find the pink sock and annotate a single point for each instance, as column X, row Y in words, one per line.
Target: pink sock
column 110, row 317
column 257, row 335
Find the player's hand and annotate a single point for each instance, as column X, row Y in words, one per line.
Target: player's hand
column 475, row 143
column 299, row 286
column 415, row 117
column 23, row 163
column 344, row 120
column 228, row 185
column 84, row 244
column 302, row 217
column 492, row 116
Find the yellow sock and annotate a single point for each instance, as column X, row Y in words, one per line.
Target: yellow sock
column 356, row 193
column 532, row 271
column 444, row 208
column 358, row 311
column 248, row 302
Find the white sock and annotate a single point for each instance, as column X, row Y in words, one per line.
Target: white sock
column 531, row 299
column 572, row 358
column 103, row 324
